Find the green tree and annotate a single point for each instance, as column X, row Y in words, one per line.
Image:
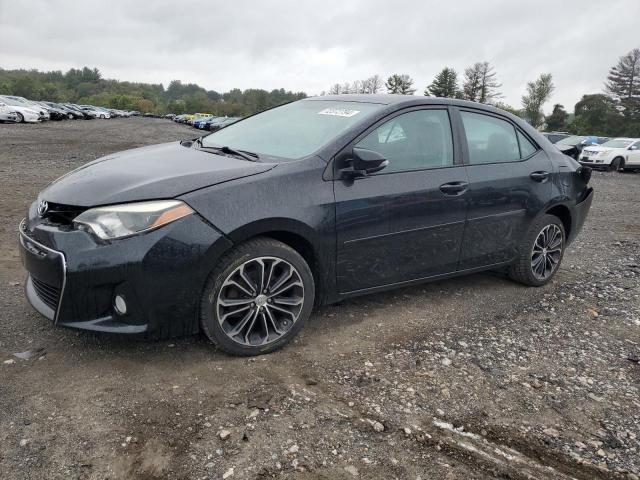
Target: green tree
column 445, row 84
column 623, row 80
column 558, row 118
column 597, row 115
column 538, row 93
column 401, row 84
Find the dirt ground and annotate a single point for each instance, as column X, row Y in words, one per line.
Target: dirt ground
column 470, row 378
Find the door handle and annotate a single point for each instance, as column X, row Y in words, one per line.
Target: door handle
column 540, row 176
column 454, row 188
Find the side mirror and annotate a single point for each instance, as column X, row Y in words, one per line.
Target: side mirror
column 633, row 147
column 364, row 162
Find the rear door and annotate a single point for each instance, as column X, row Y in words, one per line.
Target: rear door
column 406, row 221
column 510, row 182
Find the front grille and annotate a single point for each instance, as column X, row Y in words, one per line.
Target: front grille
column 49, row 294
column 62, row 214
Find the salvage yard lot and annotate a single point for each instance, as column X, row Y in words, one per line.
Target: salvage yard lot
column 474, row 377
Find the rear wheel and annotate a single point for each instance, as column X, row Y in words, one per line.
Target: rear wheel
column 19, row 117
column 257, row 298
column 541, row 252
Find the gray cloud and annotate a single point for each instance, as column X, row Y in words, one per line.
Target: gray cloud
column 306, row 45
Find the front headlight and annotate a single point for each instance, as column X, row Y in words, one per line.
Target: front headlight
column 117, row 221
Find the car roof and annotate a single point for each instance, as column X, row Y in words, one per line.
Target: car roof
column 405, row 101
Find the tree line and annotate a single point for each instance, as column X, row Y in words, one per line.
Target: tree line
column 87, row 86
column 615, row 112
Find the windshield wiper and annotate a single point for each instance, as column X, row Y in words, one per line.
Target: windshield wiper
column 252, row 157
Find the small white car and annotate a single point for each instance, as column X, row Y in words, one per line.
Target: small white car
column 616, row 154
column 23, row 113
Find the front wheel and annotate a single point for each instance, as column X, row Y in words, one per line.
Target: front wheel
column 257, row 298
column 615, row 165
column 19, row 117
column 541, row 252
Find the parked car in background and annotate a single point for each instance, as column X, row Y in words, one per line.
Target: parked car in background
column 24, row 113
column 574, row 144
column 54, row 112
column 616, row 154
column 76, row 109
column 67, row 111
column 7, row 113
column 200, row 121
column 555, row 137
column 43, row 114
column 98, row 113
column 197, row 116
column 215, row 126
column 214, row 234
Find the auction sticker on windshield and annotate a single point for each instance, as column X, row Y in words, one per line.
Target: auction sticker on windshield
column 339, row 112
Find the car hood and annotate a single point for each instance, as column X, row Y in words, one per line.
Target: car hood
column 158, row 171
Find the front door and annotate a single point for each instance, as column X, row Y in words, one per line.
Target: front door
column 510, row 182
column 405, row 222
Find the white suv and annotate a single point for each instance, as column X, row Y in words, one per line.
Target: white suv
column 616, row 154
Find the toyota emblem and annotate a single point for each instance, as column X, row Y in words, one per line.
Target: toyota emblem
column 43, row 206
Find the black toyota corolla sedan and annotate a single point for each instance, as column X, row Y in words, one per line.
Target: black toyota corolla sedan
column 241, row 232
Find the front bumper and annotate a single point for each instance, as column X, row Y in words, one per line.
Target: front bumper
column 74, row 278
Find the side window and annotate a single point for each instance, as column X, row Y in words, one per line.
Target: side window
column 413, row 140
column 526, row 147
column 490, row 139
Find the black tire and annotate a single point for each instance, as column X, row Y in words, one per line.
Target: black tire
column 616, row 164
column 20, row 117
column 522, row 271
column 228, row 264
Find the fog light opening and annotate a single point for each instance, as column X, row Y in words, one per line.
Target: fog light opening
column 120, row 305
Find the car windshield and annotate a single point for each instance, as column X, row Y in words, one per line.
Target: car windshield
column 11, row 101
column 617, row 143
column 573, row 140
column 292, row 131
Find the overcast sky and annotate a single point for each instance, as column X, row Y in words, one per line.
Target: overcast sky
column 310, row 45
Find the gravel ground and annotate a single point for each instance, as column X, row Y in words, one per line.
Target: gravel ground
column 475, row 377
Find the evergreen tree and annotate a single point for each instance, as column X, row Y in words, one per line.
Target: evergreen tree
column 401, row 84
column 538, row 93
column 480, row 84
column 445, row 85
column 624, row 78
column 558, row 118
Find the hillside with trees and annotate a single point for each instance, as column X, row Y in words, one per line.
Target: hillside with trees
column 87, row 86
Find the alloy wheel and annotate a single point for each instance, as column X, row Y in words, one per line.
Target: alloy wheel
column 260, row 301
column 547, row 252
